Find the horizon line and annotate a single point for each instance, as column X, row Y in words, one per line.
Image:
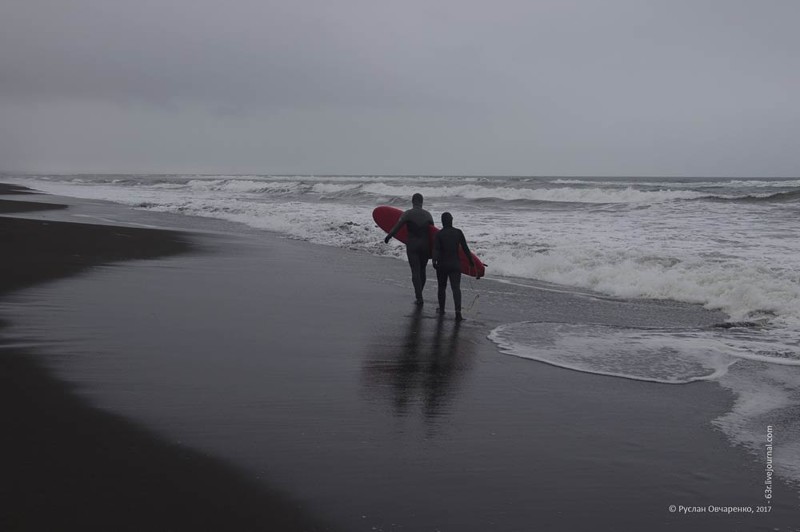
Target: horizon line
column 317, row 174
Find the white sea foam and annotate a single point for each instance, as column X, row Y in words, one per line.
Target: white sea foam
column 761, row 367
column 743, row 290
column 673, row 356
column 766, row 396
column 245, row 186
column 663, row 356
column 334, row 188
column 688, row 184
column 511, row 193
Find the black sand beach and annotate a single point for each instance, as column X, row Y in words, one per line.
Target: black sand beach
column 267, row 384
column 69, row 466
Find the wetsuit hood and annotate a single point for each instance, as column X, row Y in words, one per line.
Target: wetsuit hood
column 447, row 220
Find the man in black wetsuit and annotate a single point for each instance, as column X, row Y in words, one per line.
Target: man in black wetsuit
column 416, row 221
column 446, row 263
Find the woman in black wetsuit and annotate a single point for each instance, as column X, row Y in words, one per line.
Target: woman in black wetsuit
column 446, row 263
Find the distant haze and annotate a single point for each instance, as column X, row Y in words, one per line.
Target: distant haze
column 528, row 87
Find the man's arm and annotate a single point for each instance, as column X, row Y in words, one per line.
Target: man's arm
column 437, row 250
column 465, row 247
column 396, row 228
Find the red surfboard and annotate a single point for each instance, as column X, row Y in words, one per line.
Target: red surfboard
column 386, row 217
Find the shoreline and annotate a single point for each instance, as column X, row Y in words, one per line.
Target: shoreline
column 70, row 466
column 454, row 420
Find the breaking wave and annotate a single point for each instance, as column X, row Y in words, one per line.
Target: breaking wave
column 777, row 197
column 720, row 255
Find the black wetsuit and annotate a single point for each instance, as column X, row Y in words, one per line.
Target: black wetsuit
column 445, row 258
column 416, row 221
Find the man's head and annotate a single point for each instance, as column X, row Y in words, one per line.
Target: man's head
column 447, row 219
column 416, row 199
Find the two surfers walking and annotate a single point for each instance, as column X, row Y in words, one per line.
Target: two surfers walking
column 446, row 262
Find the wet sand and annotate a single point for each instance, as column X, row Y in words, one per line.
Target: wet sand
column 67, row 465
column 302, row 370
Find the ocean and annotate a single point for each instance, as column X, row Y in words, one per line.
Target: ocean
column 726, row 244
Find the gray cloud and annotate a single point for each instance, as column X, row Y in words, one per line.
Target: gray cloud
column 549, row 87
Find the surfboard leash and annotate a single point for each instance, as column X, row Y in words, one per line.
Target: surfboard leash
column 475, row 299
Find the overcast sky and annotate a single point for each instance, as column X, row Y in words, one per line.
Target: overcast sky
column 524, row 87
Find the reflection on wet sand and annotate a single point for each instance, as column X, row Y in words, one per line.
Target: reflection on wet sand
column 423, row 370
